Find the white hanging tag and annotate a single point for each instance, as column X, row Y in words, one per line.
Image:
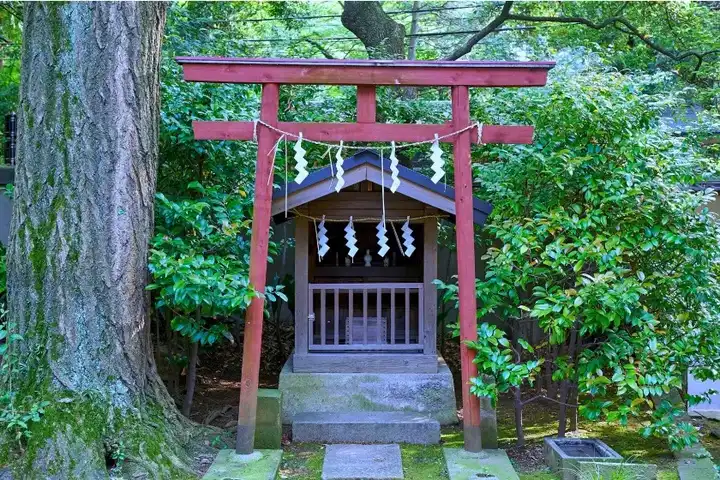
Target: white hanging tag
column 351, row 240
column 322, row 239
column 338, row 166
column 438, row 164
column 394, row 169
column 382, row 238
column 407, row 236
column 300, row 162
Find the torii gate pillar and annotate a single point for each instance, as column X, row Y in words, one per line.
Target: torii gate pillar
column 252, row 343
column 465, row 239
column 366, row 75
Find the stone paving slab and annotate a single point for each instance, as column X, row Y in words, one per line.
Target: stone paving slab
column 365, row 427
column 259, row 465
column 695, row 463
column 696, row 469
column 487, row 465
column 362, row 462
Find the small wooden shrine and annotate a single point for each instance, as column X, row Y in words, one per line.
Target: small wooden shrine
column 370, row 313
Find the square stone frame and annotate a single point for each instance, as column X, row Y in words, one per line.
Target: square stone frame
column 568, row 466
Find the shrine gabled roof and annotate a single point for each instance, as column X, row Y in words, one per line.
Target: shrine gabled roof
column 366, row 165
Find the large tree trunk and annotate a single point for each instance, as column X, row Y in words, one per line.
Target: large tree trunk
column 83, row 215
column 382, row 36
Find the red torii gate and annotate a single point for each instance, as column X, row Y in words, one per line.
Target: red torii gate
column 366, row 75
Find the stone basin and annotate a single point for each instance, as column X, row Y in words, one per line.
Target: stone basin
column 564, row 454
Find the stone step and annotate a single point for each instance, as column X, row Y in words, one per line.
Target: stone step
column 362, row 462
column 365, row 427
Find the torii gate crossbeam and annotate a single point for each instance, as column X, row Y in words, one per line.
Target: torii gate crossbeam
column 366, row 75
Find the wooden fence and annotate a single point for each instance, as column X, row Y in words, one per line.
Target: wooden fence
column 365, row 317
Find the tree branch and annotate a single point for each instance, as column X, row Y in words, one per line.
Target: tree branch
column 616, row 21
column 326, row 53
column 487, row 30
column 12, row 11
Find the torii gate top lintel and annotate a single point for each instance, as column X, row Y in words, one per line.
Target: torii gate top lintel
column 436, row 73
column 366, row 75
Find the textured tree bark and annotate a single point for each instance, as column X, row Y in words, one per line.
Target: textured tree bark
column 190, row 380
column 517, row 391
column 382, row 36
column 551, row 384
column 518, row 404
column 565, row 385
column 83, row 215
column 414, row 29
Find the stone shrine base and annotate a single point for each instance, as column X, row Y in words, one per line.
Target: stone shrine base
column 428, row 394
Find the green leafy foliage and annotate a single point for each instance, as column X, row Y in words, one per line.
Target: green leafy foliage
column 16, row 414
column 596, row 231
column 17, row 423
column 671, row 26
column 498, row 358
column 10, row 48
column 199, row 262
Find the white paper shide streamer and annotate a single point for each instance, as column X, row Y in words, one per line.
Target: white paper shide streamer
column 351, row 240
column 382, row 238
column 322, row 239
column 300, row 162
column 408, row 238
column 438, row 164
column 393, row 169
column 339, row 170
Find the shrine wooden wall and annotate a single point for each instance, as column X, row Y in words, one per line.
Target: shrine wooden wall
column 366, row 362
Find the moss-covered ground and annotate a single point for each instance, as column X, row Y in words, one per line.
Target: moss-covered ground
column 304, row 461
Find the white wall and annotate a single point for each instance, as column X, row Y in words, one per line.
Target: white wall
column 711, row 408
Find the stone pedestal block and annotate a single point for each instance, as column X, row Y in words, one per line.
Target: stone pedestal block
column 488, row 422
column 268, row 429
